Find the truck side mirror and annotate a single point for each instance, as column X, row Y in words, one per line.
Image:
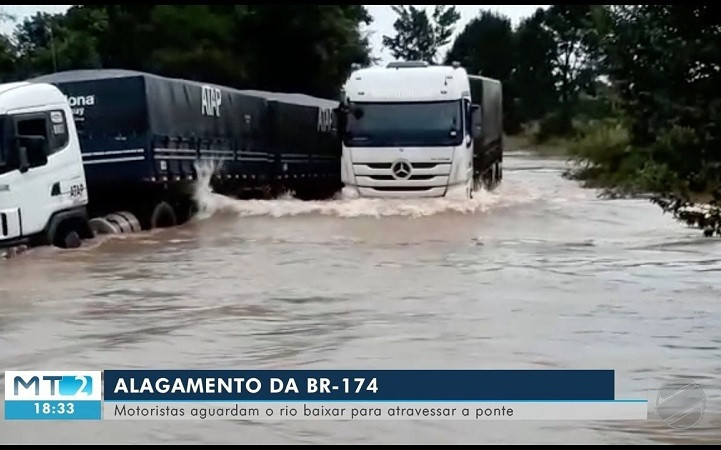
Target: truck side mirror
column 31, row 151
column 476, row 119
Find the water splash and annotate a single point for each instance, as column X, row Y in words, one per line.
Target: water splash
column 347, row 203
column 205, row 199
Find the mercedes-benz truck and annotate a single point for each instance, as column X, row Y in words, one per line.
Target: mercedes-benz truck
column 415, row 130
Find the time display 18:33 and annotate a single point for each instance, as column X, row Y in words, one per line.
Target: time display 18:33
column 53, row 410
column 49, row 408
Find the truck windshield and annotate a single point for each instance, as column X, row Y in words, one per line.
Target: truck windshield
column 409, row 124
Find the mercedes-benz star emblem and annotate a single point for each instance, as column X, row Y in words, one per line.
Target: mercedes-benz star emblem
column 401, row 169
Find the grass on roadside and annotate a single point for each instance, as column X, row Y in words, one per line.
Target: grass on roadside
column 526, row 141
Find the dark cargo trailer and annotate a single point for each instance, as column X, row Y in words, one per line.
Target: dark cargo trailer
column 303, row 140
column 141, row 136
column 488, row 147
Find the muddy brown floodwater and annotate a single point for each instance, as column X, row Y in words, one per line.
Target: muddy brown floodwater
column 540, row 274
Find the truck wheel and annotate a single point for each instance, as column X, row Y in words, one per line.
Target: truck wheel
column 100, row 225
column 184, row 211
column 124, row 221
column 67, row 237
column 72, row 240
column 163, row 216
column 303, row 193
column 132, row 220
column 487, row 179
column 492, row 176
column 268, row 192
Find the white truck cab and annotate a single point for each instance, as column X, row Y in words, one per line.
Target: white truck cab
column 43, row 194
column 408, row 131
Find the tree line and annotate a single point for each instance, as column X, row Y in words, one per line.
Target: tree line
column 546, row 63
column 306, row 49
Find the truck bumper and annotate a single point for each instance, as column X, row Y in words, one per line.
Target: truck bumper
column 390, row 193
column 14, row 242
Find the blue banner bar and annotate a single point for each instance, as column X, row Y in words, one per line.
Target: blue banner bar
column 52, row 410
column 358, row 385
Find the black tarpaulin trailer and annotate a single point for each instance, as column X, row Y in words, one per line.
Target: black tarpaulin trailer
column 303, row 139
column 139, row 132
column 488, row 148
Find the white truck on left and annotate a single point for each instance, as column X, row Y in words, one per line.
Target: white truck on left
column 43, row 193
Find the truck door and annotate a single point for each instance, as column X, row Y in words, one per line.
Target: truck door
column 47, row 178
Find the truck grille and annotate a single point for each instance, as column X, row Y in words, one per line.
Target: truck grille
column 403, row 188
column 390, row 177
column 388, row 165
column 424, row 165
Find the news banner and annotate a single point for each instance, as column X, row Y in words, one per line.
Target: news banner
column 278, row 395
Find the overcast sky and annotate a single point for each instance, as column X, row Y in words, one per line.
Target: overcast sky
column 383, row 18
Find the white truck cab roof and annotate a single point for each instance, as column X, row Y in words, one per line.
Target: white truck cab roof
column 28, row 95
column 413, row 83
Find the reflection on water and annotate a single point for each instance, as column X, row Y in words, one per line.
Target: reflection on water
column 540, row 274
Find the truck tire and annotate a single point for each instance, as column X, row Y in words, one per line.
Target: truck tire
column 67, row 236
column 100, row 225
column 71, row 240
column 487, row 178
column 268, row 192
column 492, row 176
column 125, row 222
column 184, row 211
column 132, row 220
column 163, row 216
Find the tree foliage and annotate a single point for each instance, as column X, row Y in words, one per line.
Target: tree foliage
column 653, row 70
column 522, row 59
column 49, row 42
column 418, row 36
column 7, row 59
column 574, row 34
column 546, row 63
column 305, row 49
column 533, row 76
column 486, row 47
column 311, row 46
column 665, row 61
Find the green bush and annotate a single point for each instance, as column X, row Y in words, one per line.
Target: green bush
column 557, row 123
column 607, row 159
column 680, row 148
column 603, row 143
column 597, row 107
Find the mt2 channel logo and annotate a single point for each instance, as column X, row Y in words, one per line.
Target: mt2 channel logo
column 52, row 385
column 64, row 385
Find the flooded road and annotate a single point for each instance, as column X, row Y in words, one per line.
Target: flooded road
column 540, row 274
